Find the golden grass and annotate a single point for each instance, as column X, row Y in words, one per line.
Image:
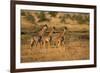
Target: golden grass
column 76, row 50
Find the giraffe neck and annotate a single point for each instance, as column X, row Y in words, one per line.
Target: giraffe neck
column 61, row 34
column 41, row 32
column 50, row 33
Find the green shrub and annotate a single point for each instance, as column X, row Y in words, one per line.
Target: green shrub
column 42, row 17
column 30, row 18
column 53, row 14
column 63, row 19
column 22, row 13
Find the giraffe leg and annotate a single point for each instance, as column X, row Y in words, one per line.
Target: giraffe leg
column 47, row 41
column 43, row 44
column 48, row 44
column 56, row 44
column 59, row 43
column 32, row 43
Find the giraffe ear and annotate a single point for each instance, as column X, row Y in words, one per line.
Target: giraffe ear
column 46, row 25
column 54, row 27
column 65, row 28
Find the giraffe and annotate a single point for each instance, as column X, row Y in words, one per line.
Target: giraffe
column 47, row 39
column 59, row 39
column 35, row 40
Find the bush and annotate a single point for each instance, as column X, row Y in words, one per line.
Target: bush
column 53, row 14
column 63, row 19
column 42, row 17
column 30, row 18
column 23, row 13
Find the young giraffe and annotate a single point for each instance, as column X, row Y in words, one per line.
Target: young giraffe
column 59, row 39
column 35, row 40
column 47, row 39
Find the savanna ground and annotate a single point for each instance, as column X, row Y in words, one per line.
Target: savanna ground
column 76, row 38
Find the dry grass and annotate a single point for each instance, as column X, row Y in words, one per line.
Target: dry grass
column 74, row 49
column 77, row 41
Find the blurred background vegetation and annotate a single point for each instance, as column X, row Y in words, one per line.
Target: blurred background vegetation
column 81, row 18
column 31, row 21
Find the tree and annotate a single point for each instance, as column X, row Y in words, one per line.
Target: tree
column 53, row 14
column 23, row 13
column 42, row 17
column 63, row 19
column 30, row 18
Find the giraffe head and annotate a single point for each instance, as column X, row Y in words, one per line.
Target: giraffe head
column 53, row 27
column 45, row 26
column 65, row 28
